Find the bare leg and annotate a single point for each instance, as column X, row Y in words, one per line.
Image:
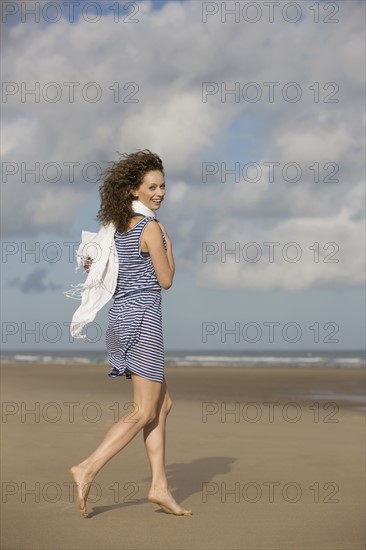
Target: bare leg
column 154, row 439
column 145, row 398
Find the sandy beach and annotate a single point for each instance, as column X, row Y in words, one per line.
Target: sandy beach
column 265, row 458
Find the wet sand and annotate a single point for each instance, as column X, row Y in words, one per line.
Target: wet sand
column 265, row 458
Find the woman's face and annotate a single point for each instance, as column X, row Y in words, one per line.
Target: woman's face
column 152, row 189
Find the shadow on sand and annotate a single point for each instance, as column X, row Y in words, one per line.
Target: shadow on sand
column 184, row 480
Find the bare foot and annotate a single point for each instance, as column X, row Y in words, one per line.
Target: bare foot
column 164, row 499
column 83, row 482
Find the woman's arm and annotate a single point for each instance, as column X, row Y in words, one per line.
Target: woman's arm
column 162, row 260
column 169, row 250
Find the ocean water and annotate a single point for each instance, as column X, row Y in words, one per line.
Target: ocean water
column 291, row 359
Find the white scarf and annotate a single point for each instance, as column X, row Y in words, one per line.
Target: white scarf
column 139, row 208
column 101, row 282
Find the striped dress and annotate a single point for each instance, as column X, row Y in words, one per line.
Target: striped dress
column 134, row 336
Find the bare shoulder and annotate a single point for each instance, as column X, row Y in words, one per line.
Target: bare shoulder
column 152, row 228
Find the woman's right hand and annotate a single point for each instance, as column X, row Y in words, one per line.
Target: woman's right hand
column 88, row 264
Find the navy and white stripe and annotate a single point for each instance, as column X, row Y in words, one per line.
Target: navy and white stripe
column 134, row 336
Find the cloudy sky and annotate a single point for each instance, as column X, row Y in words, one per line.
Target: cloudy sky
column 257, row 111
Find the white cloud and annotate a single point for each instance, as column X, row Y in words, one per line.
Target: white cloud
column 177, row 128
column 305, row 145
column 304, row 252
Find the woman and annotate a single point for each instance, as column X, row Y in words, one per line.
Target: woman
column 134, row 335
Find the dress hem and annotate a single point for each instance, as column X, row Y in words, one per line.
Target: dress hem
column 127, row 373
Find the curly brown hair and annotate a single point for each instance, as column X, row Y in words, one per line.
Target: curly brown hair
column 123, row 176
